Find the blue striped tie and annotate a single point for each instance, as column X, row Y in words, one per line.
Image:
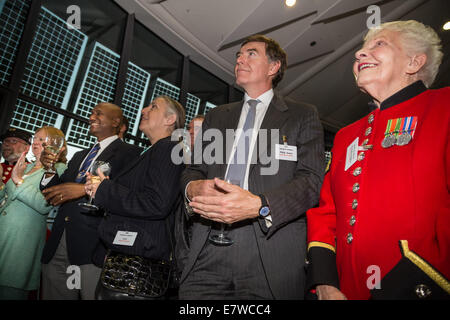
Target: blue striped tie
column 237, row 168
column 87, row 162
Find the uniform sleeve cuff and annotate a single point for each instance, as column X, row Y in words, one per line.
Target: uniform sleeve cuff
column 321, row 267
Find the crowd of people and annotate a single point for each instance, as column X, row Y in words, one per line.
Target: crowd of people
column 375, row 225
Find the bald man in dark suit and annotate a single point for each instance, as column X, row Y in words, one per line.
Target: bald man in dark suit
column 74, row 234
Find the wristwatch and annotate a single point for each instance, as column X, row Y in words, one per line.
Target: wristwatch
column 264, row 211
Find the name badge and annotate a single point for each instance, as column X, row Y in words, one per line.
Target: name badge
column 125, row 238
column 352, row 154
column 285, row 152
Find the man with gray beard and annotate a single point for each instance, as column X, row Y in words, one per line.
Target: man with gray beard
column 14, row 143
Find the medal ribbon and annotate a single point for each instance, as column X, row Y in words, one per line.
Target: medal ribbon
column 409, row 125
column 398, row 124
column 388, row 128
column 412, row 127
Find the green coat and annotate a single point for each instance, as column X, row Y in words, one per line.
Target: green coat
column 23, row 215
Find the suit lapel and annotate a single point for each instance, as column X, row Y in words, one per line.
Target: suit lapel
column 110, row 150
column 78, row 159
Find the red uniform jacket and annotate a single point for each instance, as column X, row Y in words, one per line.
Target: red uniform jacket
column 7, row 169
column 388, row 195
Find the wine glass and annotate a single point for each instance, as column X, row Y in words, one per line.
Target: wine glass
column 221, row 239
column 53, row 144
column 105, row 168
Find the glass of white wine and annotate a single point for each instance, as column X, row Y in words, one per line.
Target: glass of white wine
column 105, row 168
column 53, row 144
column 221, row 239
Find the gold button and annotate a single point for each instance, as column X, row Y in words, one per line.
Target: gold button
column 371, row 117
column 352, row 220
column 355, row 187
column 361, row 156
column 354, row 204
column 67, row 219
column 368, row 131
column 357, row 171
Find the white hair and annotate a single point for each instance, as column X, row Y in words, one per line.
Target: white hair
column 417, row 38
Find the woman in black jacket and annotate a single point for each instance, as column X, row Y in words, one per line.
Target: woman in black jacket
column 140, row 201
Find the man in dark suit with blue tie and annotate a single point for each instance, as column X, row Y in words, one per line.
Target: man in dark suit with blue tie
column 275, row 168
column 74, row 234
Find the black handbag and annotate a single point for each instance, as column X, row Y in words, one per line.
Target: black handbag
column 133, row 277
column 130, row 277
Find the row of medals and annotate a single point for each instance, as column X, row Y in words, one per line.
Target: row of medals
column 391, row 139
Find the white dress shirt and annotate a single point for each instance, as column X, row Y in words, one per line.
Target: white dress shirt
column 103, row 145
column 261, row 109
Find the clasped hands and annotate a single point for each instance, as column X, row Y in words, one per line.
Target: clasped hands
column 221, row 201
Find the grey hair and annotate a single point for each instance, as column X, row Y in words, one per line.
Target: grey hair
column 174, row 107
column 417, row 38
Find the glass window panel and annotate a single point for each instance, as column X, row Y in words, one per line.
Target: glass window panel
column 53, row 61
column 208, row 107
column 98, row 86
column 136, row 87
column 13, row 14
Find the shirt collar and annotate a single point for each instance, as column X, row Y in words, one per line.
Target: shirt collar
column 404, row 94
column 265, row 98
column 107, row 141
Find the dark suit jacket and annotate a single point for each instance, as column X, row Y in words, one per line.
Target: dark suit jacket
column 81, row 229
column 290, row 192
column 140, row 199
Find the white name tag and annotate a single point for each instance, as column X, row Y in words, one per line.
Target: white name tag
column 125, row 238
column 352, row 154
column 285, row 152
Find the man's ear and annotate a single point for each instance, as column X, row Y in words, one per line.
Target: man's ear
column 274, row 67
column 416, row 63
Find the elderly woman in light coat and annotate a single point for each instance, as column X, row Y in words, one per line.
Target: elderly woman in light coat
column 23, row 216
